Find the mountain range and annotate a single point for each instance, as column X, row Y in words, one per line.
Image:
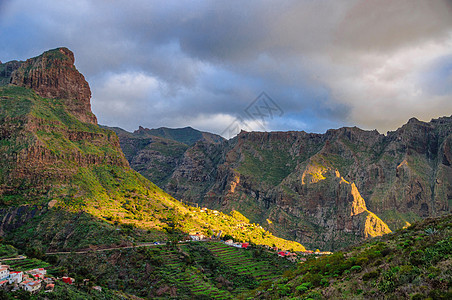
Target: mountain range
column 322, row 190
column 68, row 184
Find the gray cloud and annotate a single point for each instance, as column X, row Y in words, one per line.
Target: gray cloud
column 327, row 63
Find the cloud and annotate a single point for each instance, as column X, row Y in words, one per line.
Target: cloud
column 372, row 63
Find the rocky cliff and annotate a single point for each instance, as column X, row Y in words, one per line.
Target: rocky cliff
column 52, row 75
column 324, row 190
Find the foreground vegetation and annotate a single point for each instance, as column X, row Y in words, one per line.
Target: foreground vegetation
column 414, row 263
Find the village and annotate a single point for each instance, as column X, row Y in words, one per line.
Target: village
column 37, row 279
column 294, row 256
column 31, row 281
column 298, row 256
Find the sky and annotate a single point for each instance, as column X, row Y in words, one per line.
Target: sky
column 222, row 66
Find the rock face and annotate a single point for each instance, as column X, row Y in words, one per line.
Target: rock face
column 323, row 190
column 6, row 70
column 53, row 75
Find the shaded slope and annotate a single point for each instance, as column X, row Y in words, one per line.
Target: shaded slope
column 155, row 153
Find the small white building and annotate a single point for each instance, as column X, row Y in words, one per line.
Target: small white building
column 15, row 277
column 4, row 272
column 32, row 286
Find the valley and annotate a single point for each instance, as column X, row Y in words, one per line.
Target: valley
column 323, row 190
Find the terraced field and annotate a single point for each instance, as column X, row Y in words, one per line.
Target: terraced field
column 191, row 277
column 25, row 264
column 242, row 262
column 213, row 270
column 195, row 270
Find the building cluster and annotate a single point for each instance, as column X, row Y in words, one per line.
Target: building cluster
column 31, row 281
column 197, row 236
column 236, row 244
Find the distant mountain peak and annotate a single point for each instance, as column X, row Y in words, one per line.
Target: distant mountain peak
column 186, row 135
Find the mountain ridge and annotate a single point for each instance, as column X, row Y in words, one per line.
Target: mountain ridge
column 403, row 175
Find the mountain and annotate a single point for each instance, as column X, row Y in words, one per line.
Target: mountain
column 155, row 153
column 64, row 181
column 187, row 135
column 323, row 190
column 413, row 263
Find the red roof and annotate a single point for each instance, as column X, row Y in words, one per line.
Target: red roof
column 245, row 245
column 67, row 280
column 282, row 253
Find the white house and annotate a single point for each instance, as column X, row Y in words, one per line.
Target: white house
column 15, row 277
column 4, row 272
column 32, row 286
column 197, row 236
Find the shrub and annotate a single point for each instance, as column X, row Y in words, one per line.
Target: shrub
column 324, row 282
column 386, row 251
column 356, row 269
column 370, row 275
column 314, row 295
column 417, row 297
column 417, row 257
column 304, row 287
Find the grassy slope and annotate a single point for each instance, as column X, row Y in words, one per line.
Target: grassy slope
column 91, row 200
column 411, row 263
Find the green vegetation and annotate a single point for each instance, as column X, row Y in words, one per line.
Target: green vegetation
column 270, row 165
column 64, row 291
column 25, row 264
column 181, row 271
column 410, row 263
column 7, row 251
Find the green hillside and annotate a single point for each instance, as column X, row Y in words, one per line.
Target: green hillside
column 413, row 263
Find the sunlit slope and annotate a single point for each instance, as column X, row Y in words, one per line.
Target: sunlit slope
column 75, row 188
